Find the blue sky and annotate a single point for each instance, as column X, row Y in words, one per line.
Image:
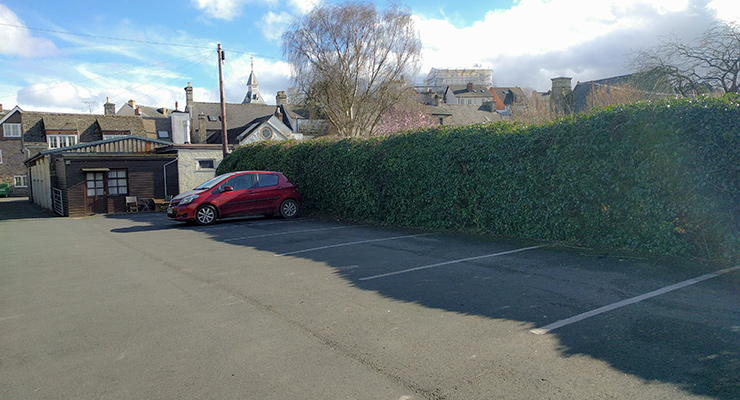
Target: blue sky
column 70, row 56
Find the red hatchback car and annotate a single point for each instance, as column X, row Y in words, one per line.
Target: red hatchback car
column 237, row 194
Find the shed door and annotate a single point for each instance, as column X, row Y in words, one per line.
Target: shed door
column 96, row 199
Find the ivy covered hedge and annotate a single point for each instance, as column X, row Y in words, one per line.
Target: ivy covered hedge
column 659, row 178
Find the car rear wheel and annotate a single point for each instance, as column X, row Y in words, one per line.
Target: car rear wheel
column 205, row 215
column 289, row 209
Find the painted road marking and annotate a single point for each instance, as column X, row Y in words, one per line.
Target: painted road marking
column 351, row 244
column 286, row 233
column 449, row 262
column 580, row 317
column 250, row 222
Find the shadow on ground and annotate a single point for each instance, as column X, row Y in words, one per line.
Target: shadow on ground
column 690, row 338
column 22, row 208
column 687, row 338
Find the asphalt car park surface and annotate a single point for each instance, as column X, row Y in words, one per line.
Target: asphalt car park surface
column 137, row 306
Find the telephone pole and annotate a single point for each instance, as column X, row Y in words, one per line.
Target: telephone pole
column 224, row 137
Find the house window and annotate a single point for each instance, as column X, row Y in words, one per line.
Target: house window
column 1, row 156
column 266, row 133
column 57, row 141
column 206, row 164
column 163, row 134
column 117, row 183
column 441, row 120
column 20, row 181
column 11, row 130
column 212, row 118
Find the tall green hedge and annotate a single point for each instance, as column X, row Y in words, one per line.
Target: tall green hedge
column 660, row 178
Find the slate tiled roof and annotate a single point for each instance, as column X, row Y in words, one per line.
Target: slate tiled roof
column 509, row 95
column 88, row 126
column 652, row 84
column 233, row 133
column 237, row 115
column 477, row 92
column 461, row 115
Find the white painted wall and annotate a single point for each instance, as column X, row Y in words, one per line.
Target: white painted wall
column 190, row 175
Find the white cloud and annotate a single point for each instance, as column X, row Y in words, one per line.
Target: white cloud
column 229, row 9
column 273, row 25
column 727, row 10
column 272, row 77
column 535, row 38
column 220, row 9
column 303, row 6
column 17, row 39
column 54, row 95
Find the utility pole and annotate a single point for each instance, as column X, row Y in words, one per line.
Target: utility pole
column 224, row 137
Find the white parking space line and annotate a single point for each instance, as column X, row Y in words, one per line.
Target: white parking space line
column 287, row 233
column 449, row 262
column 351, row 244
column 248, row 223
column 610, row 307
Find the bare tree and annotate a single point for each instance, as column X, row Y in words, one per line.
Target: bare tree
column 353, row 62
column 535, row 108
column 713, row 61
column 603, row 95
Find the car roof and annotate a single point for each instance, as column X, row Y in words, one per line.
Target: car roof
column 257, row 172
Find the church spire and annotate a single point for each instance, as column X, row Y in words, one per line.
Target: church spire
column 253, row 91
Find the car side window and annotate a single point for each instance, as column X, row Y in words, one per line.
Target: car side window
column 268, row 180
column 238, row 182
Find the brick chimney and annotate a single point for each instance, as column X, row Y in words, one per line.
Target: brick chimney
column 109, row 108
column 137, row 111
column 281, row 98
column 470, row 86
column 188, row 97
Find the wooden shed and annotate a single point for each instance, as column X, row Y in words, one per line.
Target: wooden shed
column 98, row 177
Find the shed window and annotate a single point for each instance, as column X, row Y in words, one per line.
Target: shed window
column 95, row 185
column 117, row 182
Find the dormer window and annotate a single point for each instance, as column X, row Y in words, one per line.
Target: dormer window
column 57, row 141
column 11, row 130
